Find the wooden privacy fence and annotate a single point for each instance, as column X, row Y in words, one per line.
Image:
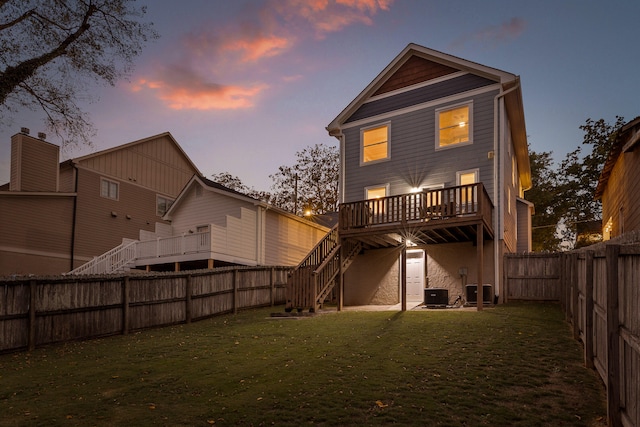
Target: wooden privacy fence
column 39, row 311
column 598, row 288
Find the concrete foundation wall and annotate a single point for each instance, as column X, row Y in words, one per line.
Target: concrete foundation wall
column 373, row 278
column 444, row 262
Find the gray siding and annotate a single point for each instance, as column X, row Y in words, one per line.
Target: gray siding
column 414, row 160
column 418, row 96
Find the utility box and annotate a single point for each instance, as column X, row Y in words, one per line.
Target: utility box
column 472, row 294
column 436, row 297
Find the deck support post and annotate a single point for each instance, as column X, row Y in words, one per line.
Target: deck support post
column 480, row 260
column 403, row 276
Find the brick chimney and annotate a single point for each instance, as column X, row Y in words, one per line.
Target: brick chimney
column 34, row 164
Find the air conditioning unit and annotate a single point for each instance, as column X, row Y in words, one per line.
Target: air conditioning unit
column 472, row 294
column 436, row 297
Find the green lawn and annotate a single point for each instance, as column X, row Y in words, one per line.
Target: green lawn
column 513, row 365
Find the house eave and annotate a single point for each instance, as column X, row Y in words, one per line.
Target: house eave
column 410, row 50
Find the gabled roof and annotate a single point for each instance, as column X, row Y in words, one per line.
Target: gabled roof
column 138, row 142
column 221, row 189
column 443, row 64
column 627, row 140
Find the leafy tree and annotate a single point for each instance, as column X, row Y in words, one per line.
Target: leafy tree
column 544, row 195
column 311, row 184
column 52, row 51
column 579, row 176
column 235, row 183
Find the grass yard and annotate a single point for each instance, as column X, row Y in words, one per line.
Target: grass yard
column 512, row 365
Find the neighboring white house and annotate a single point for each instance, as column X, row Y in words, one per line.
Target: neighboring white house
column 214, row 226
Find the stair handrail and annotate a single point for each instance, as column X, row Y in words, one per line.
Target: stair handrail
column 110, row 260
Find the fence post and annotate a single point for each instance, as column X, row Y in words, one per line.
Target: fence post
column 272, row 283
column 125, row 305
column 505, row 278
column 32, row 315
column 187, row 300
column 575, row 286
column 235, row 291
column 613, row 338
column 588, row 311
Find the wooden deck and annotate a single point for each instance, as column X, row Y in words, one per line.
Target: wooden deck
column 444, row 215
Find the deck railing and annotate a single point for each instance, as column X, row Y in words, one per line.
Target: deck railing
column 174, row 245
column 131, row 251
column 461, row 200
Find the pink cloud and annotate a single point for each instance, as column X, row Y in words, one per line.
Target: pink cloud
column 327, row 16
column 237, row 52
column 255, row 49
column 496, row 33
column 180, row 89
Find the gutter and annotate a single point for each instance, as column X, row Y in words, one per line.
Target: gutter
column 74, row 215
column 496, row 192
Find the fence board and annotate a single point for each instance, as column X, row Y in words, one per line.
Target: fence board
column 602, row 307
column 40, row 311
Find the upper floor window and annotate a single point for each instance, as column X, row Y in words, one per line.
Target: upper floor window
column 375, row 143
column 454, row 126
column 109, row 189
column 162, row 205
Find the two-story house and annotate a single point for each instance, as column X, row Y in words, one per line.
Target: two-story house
column 56, row 216
column 434, row 165
column 620, row 202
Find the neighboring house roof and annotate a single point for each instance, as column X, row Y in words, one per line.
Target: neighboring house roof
column 627, row 139
column 140, row 141
column 509, row 82
column 221, row 189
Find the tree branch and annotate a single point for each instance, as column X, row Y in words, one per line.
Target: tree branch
column 12, row 76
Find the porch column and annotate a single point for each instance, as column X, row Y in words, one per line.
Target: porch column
column 403, row 264
column 480, row 260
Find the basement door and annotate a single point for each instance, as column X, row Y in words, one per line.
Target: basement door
column 415, row 275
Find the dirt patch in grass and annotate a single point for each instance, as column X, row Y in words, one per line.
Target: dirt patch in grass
column 513, row 365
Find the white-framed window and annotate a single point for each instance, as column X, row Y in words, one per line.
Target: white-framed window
column 109, row 189
column 467, row 177
column 162, row 205
column 454, row 126
column 375, row 193
column 375, row 143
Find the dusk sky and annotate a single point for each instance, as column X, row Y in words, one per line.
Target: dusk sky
column 243, row 85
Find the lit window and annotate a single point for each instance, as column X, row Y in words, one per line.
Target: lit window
column 375, row 144
column 162, row 205
column 454, row 126
column 375, row 194
column 467, row 194
column 109, row 189
column 607, row 229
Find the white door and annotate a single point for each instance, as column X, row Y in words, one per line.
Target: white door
column 415, row 275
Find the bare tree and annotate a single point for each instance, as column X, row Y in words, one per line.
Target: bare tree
column 52, row 51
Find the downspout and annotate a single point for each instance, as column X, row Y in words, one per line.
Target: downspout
column 73, row 217
column 496, row 192
column 340, row 137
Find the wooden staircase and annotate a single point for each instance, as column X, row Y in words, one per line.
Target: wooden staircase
column 312, row 281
